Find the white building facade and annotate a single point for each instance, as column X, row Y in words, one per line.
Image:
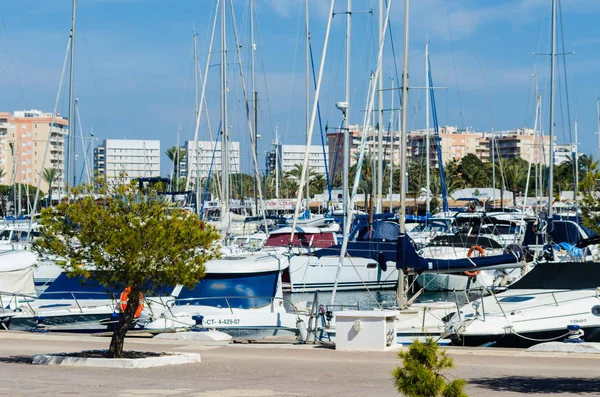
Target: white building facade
column 133, row 158
column 199, row 158
column 291, row 155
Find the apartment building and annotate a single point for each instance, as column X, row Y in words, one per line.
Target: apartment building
column 455, row 144
column 24, row 136
column 129, row 157
column 335, row 143
column 199, row 158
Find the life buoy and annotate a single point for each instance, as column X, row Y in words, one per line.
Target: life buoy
column 123, row 302
column 469, row 254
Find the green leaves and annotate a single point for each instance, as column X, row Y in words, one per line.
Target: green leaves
column 420, row 374
column 127, row 238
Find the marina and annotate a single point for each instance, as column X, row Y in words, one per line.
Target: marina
column 333, row 246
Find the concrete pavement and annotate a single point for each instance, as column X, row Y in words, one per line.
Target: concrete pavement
column 280, row 370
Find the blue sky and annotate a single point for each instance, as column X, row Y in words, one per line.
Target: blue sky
column 134, row 70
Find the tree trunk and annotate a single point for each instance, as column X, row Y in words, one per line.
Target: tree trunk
column 125, row 320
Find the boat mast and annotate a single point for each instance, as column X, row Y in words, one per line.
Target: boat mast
column 196, row 110
column 71, row 138
column 576, row 162
column 401, row 292
column 346, row 124
column 427, row 144
column 552, row 98
column 196, row 115
column 391, row 135
column 380, row 123
column 598, row 120
column 276, row 163
column 255, row 96
column 224, row 121
column 306, row 171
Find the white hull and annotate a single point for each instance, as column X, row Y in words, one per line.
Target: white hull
column 515, row 317
column 309, row 273
column 269, row 320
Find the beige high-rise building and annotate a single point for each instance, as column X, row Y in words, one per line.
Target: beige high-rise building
column 335, row 145
column 24, row 136
column 455, row 144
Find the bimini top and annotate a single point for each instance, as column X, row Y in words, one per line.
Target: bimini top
column 407, row 258
column 245, row 263
column 303, row 237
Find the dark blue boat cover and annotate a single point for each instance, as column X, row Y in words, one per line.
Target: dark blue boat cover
column 407, row 258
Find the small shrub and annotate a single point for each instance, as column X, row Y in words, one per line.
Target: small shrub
column 420, row 374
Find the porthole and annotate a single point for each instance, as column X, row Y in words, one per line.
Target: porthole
column 596, row 310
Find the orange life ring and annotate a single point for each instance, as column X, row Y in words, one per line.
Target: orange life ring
column 469, row 254
column 123, row 302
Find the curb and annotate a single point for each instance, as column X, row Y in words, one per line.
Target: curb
column 172, row 358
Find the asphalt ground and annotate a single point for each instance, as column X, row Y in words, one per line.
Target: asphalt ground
column 280, row 370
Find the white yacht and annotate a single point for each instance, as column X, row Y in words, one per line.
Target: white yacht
column 537, row 308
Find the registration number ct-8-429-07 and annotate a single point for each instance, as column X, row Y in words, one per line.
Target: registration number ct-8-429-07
column 222, row 321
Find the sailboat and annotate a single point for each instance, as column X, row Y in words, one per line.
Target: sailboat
column 554, row 301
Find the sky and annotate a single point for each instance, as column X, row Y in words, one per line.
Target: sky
column 134, row 65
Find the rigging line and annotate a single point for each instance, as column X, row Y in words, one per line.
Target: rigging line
column 314, row 76
column 83, row 148
column 532, row 105
column 396, row 68
column 47, row 150
column 487, row 96
column 460, row 111
column 564, row 56
column 416, row 107
column 89, row 59
column 250, row 127
column 262, row 63
column 12, row 57
column 287, row 120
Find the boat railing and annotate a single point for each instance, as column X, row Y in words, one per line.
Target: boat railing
column 18, row 299
column 230, row 302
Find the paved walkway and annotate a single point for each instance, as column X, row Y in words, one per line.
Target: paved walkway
column 280, row 370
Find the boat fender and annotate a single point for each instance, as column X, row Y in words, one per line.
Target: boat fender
column 470, row 254
column 123, row 302
column 381, row 261
column 302, row 331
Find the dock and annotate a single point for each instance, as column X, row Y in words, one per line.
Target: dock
column 280, row 369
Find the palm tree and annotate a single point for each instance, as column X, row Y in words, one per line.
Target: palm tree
column 472, row 171
column 318, row 183
column 366, row 175
column 295, row 174
column 49, row 175
column 176, row 155
column 515, row 174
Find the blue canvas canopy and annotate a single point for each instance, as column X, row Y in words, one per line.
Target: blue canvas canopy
column 408, row 258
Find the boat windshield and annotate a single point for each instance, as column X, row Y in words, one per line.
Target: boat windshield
column 438, row 226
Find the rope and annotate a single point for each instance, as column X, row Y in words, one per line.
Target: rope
column 540, row 340
column 460, row 112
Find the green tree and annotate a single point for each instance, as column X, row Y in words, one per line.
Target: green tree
column 421, row 372
column 590, row 204
column 472, row 171
column 318, row 183
column 49, row 176
column 126, row 238
column 366, row 176
column 176, row 155
column 515, row 175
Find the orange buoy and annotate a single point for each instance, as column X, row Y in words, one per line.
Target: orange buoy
column 469, row 254
column 123, row 302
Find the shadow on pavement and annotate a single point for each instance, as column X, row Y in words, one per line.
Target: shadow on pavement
column 530, row 385
column 16, row 360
